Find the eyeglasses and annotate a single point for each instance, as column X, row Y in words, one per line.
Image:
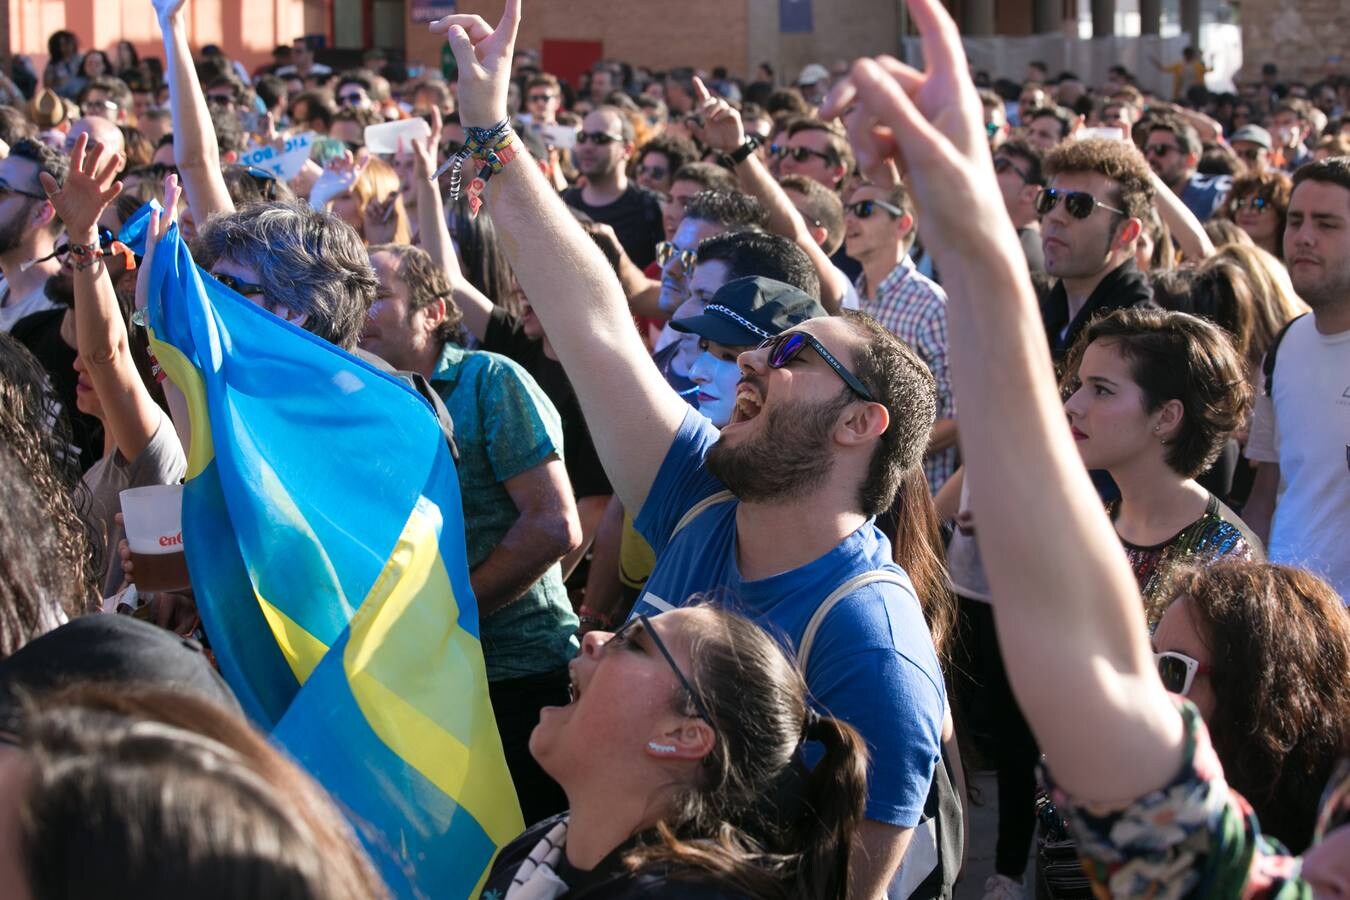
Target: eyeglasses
column 239, row 286
column 102, row 108
column 687, row 259
column 1178, row 671
column 1160, row 149
column 786, row 347
column 597, row 137
column 642, row 624
column 1003, row 164
column 863, row 209
column 1079, row 203
column 800, row 154
column 1257, row 204
column 657, row 172
column 351, row 99
column 7, row 188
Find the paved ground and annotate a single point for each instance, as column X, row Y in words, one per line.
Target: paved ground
column 983, row 832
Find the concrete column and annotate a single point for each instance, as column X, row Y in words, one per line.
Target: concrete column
column 1150, row 16
column 978, row 17
column 1103, row 18
column 1190, row 21
column 1047, row 16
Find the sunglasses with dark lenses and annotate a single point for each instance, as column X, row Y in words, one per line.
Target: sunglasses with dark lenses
column 597, row 137
column 863, row 209
column 657, row 172
column 350, row 99
column 239, row 286
column 7, row 188
column 666, row 251
column 1160, row 149
column 641, row 624
column 787, row 346
column 1079, row 204
column 1178, row 671
column 800, row 154
column 1003, row 164
column 1250, row 156
column 1257, row 204
column 539, row 98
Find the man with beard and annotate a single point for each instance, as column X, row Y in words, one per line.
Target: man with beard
column 604, row 146
column 827, row 421
column 1173, row 149
column 28, row 229
column 1091, row 214
column 1300, row 430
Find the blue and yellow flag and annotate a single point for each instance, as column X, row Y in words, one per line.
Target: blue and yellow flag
column 325, row 537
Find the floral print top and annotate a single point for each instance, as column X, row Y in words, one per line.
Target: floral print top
column 1195, row 838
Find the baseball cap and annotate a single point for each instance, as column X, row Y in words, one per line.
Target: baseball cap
column 110, row 650
column 747, row 311
column 1254, row 134
column 813, row 74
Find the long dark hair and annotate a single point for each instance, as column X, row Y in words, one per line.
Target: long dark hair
column 1279, row 640
column 481, row 255
column 916, row 539
column 142, row 792
column 758, row 820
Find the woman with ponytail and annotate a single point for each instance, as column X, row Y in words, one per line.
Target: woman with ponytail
column 683, row 755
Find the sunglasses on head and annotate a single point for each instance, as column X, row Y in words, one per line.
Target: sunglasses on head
column 641, row 624
column 238, row 285
column 863, row 209
column 666, row 251
column 787, row 346
column 1079, row 204
column 1178, row 671
column 800, row 154
column 1257, row 204
column 602, row 138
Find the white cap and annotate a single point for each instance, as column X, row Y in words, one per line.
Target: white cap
column 813, row 74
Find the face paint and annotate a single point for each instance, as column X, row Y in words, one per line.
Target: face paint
column 716, row 380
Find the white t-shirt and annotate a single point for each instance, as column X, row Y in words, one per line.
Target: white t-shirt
column 1304, row 426
column 15, row 308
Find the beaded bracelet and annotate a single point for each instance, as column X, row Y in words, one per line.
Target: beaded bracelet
column 493, row 147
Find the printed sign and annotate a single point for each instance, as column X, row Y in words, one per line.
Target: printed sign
column 284, row 161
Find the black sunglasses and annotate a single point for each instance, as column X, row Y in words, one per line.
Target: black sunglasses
column 863, row 209
column 1003, row 164
column 643, row 624
column 7, row 188
column 597, row 137
column 785, row 347
column 239, row 286
column 350, row 99
column 800, row 154
column 657, row 172
column 539, row 98
column 1080, row 204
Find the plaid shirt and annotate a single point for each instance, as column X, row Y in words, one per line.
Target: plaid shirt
column 914, row 309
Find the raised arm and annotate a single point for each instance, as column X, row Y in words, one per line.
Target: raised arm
column 194, row 137
column 723, row 130
column 632, row 412
column 1072, row 633
column 1181, row 222
column 129, row 412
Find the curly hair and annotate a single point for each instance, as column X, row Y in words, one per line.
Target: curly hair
column 1178, row 356
column 1115, row 160
column 36, row 436
column 1274, row 188
column 1279, row 640
column 427, row 282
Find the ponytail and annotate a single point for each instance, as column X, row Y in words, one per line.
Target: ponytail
column 834, row 796
column 919, row 550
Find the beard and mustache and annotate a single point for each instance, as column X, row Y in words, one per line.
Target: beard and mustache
column 789, row 456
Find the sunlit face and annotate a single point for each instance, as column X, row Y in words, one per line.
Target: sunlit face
column 1260, row 221
column 1317, row 242
column 877, row 234
column 1045, row 132
column 1079, row 248
column 86, row 398
column 1107, row 412
column 675, row 278
column 1288, row 130
column 1254, row 155
column 623, row 693
column 716, row 374
column 602, row 159
column 653, row 172
column 1166, row 156
column 818, row 165
column 1180, row 631
column 672, row 210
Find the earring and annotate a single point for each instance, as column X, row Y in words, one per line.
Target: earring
column 661, row 748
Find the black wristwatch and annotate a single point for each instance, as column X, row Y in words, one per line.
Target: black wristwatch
column 742, row 153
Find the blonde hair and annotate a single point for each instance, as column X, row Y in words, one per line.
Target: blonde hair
column 377, row 182
column 1274, row 302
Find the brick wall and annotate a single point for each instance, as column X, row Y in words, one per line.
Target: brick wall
column 1299, row 36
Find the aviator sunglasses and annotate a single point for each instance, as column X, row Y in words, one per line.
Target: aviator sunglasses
column 1079, row 204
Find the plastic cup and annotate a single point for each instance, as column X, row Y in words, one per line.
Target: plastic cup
column 153, row 518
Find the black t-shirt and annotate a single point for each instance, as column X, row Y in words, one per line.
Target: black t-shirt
column 583, row 463
column 608, row 880
column 635, row 218
column 41, row 334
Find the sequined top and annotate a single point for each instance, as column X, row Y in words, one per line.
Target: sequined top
column 1218, row 534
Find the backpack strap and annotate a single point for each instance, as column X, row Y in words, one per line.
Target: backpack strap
column 697, row 509
column 1268, row 364
column 823, row 610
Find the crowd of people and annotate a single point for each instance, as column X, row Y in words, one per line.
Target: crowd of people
column 818, row 443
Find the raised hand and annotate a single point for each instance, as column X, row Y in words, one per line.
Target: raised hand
column 484, row 57
column 338, row 177
column 160, row 223
column 88, row 190
column 424, row 153
column 167, row 9
column 379, row 224
column 717, row 124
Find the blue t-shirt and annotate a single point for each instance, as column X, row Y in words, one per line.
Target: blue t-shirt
column 1204, row 195
column 872, row 664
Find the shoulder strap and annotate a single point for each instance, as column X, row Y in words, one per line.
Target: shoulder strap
column 1268, row 364
column 818, row 617
column 697, row 509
